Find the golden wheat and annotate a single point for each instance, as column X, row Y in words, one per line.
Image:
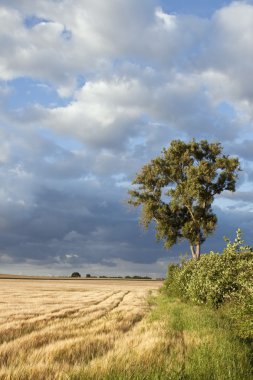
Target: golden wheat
column 52, row 329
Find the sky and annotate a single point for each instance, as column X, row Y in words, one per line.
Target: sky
column 92, row 90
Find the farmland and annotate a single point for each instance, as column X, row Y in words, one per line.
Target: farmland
column 59, row 329
column 112, row 330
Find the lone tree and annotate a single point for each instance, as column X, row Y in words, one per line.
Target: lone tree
column 75, row 274
column 177, row 190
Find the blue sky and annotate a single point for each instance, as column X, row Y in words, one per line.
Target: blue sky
column 200, row 8
column 89, row 92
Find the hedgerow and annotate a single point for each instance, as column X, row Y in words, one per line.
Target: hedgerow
column 219, row 280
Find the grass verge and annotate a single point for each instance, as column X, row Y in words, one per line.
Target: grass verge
column 211, row 349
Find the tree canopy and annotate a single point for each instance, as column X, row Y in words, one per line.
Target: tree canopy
column 75, row 274
column 177, row 189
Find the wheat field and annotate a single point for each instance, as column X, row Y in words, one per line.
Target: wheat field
column 74, row 328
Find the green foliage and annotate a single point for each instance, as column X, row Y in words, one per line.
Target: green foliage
column 171, row 283
column 177, row 189
column 237, row 245
column 219, row 280
column 75, row 274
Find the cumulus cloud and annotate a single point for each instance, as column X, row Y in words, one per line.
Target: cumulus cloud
column 125, row 79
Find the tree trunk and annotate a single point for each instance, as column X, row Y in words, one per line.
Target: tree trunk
column 195, row 249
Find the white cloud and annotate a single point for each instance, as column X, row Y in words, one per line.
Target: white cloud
column 97, row 31
column 169, row 21
column 227, row 54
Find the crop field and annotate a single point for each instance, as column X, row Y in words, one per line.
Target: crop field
column 74, row 329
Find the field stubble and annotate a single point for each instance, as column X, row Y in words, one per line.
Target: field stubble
column 62, row 329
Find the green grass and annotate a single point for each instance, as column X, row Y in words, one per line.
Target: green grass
column 217, row 353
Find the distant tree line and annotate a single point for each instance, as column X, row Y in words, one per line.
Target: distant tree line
column 136, row 277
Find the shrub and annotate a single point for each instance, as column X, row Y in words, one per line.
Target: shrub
column 170, row 283
column 219, row 280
